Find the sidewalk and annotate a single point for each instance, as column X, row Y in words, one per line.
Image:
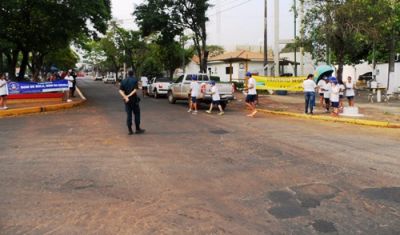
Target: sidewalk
column 375, row 114
column 23, row 107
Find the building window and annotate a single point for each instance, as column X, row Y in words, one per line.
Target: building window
column 229, row 70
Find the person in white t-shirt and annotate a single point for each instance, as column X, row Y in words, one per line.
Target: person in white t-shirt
column 334, row 96
column 342, row 89
column 251, row 94
column 321, row 84
column 70, row 80
column 215, row 99
column 3, row 91
column 194, row 93
column 145, row 84
column 327, row 94
column 309, row 93
column 350, row 93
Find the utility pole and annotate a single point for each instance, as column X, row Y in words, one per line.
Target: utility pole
column 302, row 37
column 295, row 35
column 276, row 47
column 265, row 37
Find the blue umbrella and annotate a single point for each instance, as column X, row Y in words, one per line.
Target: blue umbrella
column 323, row 70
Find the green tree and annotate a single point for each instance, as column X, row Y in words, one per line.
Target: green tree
column 36, row 28
column 170, row 18
column 351, row 30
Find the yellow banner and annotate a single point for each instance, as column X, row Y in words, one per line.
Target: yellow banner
column 279, row 83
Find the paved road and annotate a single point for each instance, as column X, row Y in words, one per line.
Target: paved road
column 78, row 172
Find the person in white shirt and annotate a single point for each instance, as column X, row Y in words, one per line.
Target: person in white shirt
column 321, row 84
column 334, row 96
column 70, row 80
column 3, row 91
column 194, row 93
column 327, row 94
column 309, row 93
column 350, row 93
column 215, row 99
column 251, row 95
column 145, row 84
column 342, row 89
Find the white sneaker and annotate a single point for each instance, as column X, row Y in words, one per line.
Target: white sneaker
column 69, row 100
column 189, row 111
column 208, row 111
column 221, row 113
column 194, row 112
column 5, row 107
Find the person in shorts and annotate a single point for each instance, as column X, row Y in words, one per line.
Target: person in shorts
column 215, row 99
column 350, row 93
column 145, row 84
column 342, row 89
column 327, row 95
column 334, row 96
column 251, row 96
column 321, row 84
column 3, row 92
column 194, row 93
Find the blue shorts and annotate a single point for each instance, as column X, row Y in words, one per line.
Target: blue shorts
column 350, row 97
column 251, row 98
column 216, row 102
column 194, row 99
column 335, row 104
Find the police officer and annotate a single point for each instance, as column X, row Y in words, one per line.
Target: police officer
column 128, row 91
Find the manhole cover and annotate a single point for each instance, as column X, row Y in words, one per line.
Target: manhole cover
column 77, row 184
column 219, row 132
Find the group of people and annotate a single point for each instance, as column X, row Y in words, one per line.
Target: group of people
column 331, row 93
column 195, row 92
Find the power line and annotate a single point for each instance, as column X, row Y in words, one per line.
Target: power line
column 232, row 7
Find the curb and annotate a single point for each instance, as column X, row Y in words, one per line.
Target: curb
column 44, row 108
column 333, row 119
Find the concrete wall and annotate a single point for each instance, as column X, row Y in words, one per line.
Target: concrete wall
column 382, row 76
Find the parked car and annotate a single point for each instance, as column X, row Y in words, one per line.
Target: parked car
column 158, row 86
column 98, row 78
column 109, row 79
column 179, row 90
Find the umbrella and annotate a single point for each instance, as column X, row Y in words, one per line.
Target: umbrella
column 321, row 71
column 53, row 69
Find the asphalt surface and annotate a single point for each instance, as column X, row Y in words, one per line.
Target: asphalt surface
column 78, row 172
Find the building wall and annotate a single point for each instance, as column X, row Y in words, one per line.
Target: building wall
column 382, row 76
column 219, row 69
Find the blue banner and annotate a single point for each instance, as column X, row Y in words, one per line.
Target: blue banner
column 37, row 87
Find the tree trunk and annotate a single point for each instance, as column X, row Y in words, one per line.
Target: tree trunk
column 340, row 61
column 37, row 63
column 12, row 59
column 24, row 64
column 1, row 62
column 204, row 47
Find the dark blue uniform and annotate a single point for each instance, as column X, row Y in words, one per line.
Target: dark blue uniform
column 132, row 106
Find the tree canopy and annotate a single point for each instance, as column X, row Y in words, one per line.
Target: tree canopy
column 37, row 28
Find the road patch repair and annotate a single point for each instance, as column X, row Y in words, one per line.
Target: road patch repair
column 25, row 107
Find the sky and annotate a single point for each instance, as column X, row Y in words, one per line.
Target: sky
column 242, row 21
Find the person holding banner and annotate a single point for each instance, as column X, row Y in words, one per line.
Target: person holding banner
column 3, row 91
column 251, row 95
column 309, row 93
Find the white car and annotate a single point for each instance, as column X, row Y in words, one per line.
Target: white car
column 109, row 80
column 158, row 86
